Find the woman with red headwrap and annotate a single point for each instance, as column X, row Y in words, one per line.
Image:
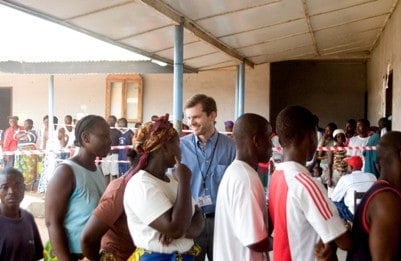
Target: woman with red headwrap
column 162, row 217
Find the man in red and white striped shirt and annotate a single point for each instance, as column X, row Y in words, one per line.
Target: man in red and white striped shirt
column 304, row 220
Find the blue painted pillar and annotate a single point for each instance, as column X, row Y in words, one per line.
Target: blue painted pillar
column 178, row 75
column 236, row 94
column 240, row 90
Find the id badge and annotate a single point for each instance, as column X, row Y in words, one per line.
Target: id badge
column 205, row 201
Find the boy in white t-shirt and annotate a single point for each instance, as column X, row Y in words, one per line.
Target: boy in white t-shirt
column 241, row 215
column 304, row 221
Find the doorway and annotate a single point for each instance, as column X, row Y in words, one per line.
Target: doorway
column 5, row 108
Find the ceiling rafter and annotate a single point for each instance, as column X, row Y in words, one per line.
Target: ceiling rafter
column 237, row 10
column 311, row 32
column 98, row 10
column 384, row 25
column 196, row 30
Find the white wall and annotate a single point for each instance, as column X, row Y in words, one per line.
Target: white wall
column 158, row 92
column 87, row 93
column 387, row 52
column 72, row 94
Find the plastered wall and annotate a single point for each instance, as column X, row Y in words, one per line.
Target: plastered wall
column 218, row 84
column 86, row 94
column 386, row 54
column 72, row 94
column 333, row 90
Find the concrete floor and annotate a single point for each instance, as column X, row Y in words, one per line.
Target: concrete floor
column 34, row 202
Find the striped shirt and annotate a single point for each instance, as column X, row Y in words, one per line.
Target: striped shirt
column 301, row 213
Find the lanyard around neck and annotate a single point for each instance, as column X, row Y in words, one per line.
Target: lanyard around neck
column 204, row 175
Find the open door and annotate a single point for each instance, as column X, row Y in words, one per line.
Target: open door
column 5, row 108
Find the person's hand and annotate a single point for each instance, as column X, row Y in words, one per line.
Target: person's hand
column 272, row 167
column 325, row 252
column 165, row 240
column 330, row 182
column 181, row 172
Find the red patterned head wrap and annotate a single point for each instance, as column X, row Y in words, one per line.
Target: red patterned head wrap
column 149, row 137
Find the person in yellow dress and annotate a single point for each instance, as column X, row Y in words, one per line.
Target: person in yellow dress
column 27, row 163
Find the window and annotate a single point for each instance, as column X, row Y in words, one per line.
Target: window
column 124, row 97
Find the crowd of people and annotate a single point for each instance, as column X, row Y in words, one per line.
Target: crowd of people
column 19, row 144
column 202, row 194
column 37, row 152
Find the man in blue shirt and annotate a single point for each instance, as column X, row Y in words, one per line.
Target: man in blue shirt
column 207, row 153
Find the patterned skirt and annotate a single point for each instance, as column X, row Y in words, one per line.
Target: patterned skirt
column 141, row 254
column 27, row 164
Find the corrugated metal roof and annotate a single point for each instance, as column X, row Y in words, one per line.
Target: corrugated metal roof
column 226, row 32
column 31, row 39
column 89, row 67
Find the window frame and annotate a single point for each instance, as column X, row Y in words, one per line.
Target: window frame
column 125, row 79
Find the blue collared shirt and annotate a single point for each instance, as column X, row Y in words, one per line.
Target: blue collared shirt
column 207, row 164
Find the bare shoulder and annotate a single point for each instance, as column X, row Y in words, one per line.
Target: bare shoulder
column 384, row 207
column 63, row 171
column 62, row 181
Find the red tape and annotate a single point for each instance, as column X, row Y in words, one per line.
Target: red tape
column 72, row 150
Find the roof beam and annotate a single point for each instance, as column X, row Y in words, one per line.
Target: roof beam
column 312, row 33
column 196, row 30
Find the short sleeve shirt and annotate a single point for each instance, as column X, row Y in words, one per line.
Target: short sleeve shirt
column 301, row 213
column 241, row 214
column 110, row 211
column 19, row 238
column 145, row 199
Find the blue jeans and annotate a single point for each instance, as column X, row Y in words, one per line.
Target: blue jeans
column 205, row 240
column 344, row 211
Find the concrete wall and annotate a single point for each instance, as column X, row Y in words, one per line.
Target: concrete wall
column 72, row 94
column 333, row 90
column 87, row 93
column 386, row 53
column 218, row 84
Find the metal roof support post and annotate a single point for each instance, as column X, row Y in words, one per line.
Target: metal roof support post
column 178, row 71
column 236, row 94
column 51, row 107
column 240, row 91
